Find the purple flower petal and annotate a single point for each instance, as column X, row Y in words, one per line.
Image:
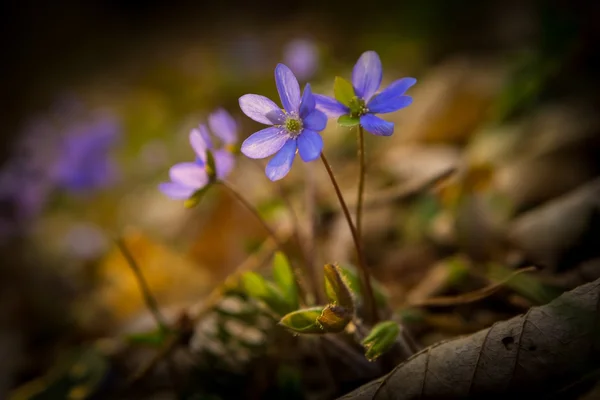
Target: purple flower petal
column 386, row 105
column 261, row 109
column 315, row 121
column 265, row 143
column 376, row 125
column 308, row 103
column 224, row 161
column 204, row 132
column 199, row 144
column 280, row 165
column 288, row 88
column 310, row 145
column 176, row 191
column 189, row 174
column 330, row 106
column 223, row 125
column 366, row 75
column 389, row 99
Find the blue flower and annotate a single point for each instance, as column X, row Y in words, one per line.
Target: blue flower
column 84, row 161
column 360, row 104
column 189, row 177
column 295, row 128
column 302, row 56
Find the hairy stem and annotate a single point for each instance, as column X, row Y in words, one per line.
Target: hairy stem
column 361, row 180
column 369, row 297
column 267, row 227
column 149, row 298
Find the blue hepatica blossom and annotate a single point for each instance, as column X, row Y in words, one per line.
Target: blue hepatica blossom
column 85, row 161
column 302, row 56
column 357, row 102
column 189, row 177
column 294, row 129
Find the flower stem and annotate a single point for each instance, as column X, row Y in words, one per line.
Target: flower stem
column 361, row 180
column 369, row 297
column 267, row 227
column 149, row 299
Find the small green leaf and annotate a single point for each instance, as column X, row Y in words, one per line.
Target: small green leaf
column 196, row 198
column 348, row 121
column 258, row 287
column 211, row 167
column 303, row 321
column 351, row 277
column 381, row 338
column 343, row 90
column 337, row 288
column 284, row 278
column 334, row 319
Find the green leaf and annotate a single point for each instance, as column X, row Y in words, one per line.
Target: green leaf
column 258, row 287
column 381, row 338
column 303, row 321
column 343, row 91
column 196, row 198
column 334, row 319
column 348, row 121
column 351, row 277
column 284, row 278
column 337, row 288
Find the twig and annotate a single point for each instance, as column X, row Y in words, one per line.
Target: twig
column 476, row 295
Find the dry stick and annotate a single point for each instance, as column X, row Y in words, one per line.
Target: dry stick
column 268, row 228
column 470, row 297
column 253, row 261
column 144, row 288
column 365, row 275
column 361, row 180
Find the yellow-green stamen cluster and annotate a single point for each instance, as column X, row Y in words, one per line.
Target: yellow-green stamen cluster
column 293, row 125
column 357, row 107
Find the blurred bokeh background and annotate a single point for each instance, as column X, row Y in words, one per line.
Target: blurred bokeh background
column 98, row 98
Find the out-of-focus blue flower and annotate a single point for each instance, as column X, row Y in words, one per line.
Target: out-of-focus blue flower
column 295, row 128
column 362, row 105
column 189, row 177
column 84, row 157
column 302, row 56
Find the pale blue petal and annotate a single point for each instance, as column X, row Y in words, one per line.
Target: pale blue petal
column 189, row 174
column 310, row 145
column 288, row 88
column 223, row 126
column 224, row 162
column 280, row 165
column 330, row 106
column 308, row 102
column 261, row 109
column 176, row 191
column 376, row 125
column 265, row 143
column 367, row 75
column 316, row 121
column 387, row 100
column 199, row 145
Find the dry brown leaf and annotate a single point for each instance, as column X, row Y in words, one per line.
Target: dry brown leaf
column 538, row 354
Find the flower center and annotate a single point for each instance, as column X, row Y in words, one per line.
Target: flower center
column 293, row 124
column 358, row 107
